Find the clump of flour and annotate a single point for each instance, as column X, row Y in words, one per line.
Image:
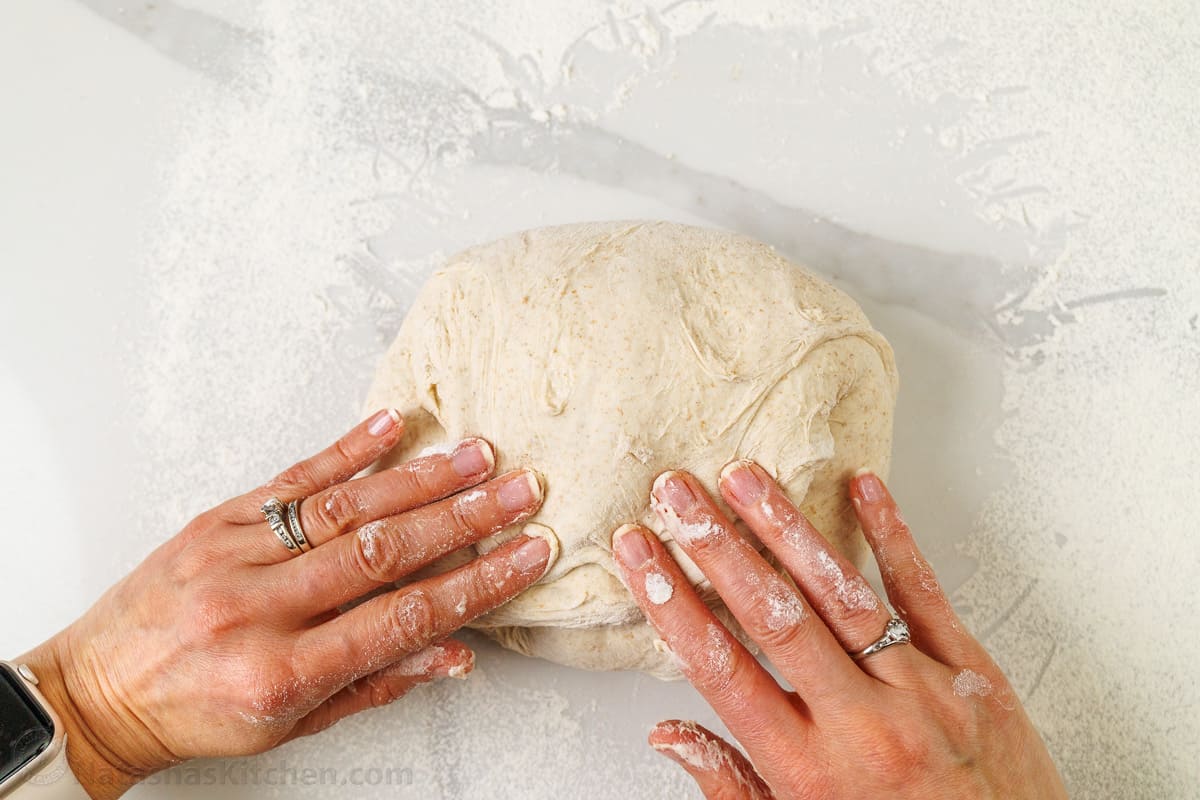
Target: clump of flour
column 658, row 588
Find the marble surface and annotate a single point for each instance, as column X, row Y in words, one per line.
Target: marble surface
column 1011, row 194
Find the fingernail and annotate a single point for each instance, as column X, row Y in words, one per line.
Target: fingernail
column 532, row 555
column 631, row 546
column 743, row 482
column 672, row 489
column 383, row 421
column 473, row 457
column 520, row 491
column 870, row 488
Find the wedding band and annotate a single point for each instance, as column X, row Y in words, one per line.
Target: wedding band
column 273, row 510
column 896, row 632
column 293, row 515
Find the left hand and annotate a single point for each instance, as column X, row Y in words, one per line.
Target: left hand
column 931, row 719
column 224, row 643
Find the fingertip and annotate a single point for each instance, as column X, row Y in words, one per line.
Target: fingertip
column 631, row 547
column 743, row 482
column 666, row 733
column 540, row 550
column 867, row 486
column 488, row 452
column 464, row 668
column 546, row 533
column 737, row 463
column 661, row 480
column 674, row 489
column 459, row 660
column 520, row 491
column 385, row 422
column 473, row 458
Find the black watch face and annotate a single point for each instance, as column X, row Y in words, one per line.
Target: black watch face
column 25, row 730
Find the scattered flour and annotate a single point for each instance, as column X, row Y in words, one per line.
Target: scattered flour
column 719, row 653
column 853, row 592
column 418, row 663
column 696, row 749
column 469, row 502
column 968, row 683
column 784, row 607
column 329, row 175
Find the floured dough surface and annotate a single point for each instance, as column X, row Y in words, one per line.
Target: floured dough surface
column 604, row 354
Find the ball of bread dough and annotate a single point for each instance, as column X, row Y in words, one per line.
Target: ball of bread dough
column 603, row 354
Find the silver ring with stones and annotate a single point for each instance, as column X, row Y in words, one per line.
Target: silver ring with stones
column 293, row 518
column 273, row 510
column 896, row 632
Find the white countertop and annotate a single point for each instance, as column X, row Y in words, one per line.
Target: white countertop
column 199, row 203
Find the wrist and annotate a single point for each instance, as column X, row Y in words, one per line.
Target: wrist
column 94, row 765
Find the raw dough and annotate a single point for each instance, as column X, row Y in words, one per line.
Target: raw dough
column 603, row 354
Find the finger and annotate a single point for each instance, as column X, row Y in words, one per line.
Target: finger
column 767, row 607
column 386, row 550
column 386, row 628
column 348, row 506
column 449, row 659
column 753, row 706
column 719, row 768
column 832, row 585
column 907, row 577
column 355, row 451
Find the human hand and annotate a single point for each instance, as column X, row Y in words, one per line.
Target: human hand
column 222, row 643
column 934, row 719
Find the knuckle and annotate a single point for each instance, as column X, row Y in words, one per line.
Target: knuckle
column 192, row 561
column 465, row 514
column 381, row 553
column 211, row 615
column 272, row 700
column 411, row 482
column 297, row 475
column 487, row 583
column 337, row 510
column 383, row 689
column 851, row 604
column 413, row 620
column 199, row 528
column 787, row 637
column 726, row 682
column 900, row 754
column 345, row 455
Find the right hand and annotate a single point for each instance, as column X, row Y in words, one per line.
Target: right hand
column 222, row 643
column 934, row 718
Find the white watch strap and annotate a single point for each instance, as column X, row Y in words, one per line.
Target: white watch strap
column 55, row 781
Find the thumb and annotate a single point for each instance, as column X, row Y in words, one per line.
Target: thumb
column 719, row 768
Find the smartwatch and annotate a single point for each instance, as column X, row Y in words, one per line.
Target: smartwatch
column 33, row 743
